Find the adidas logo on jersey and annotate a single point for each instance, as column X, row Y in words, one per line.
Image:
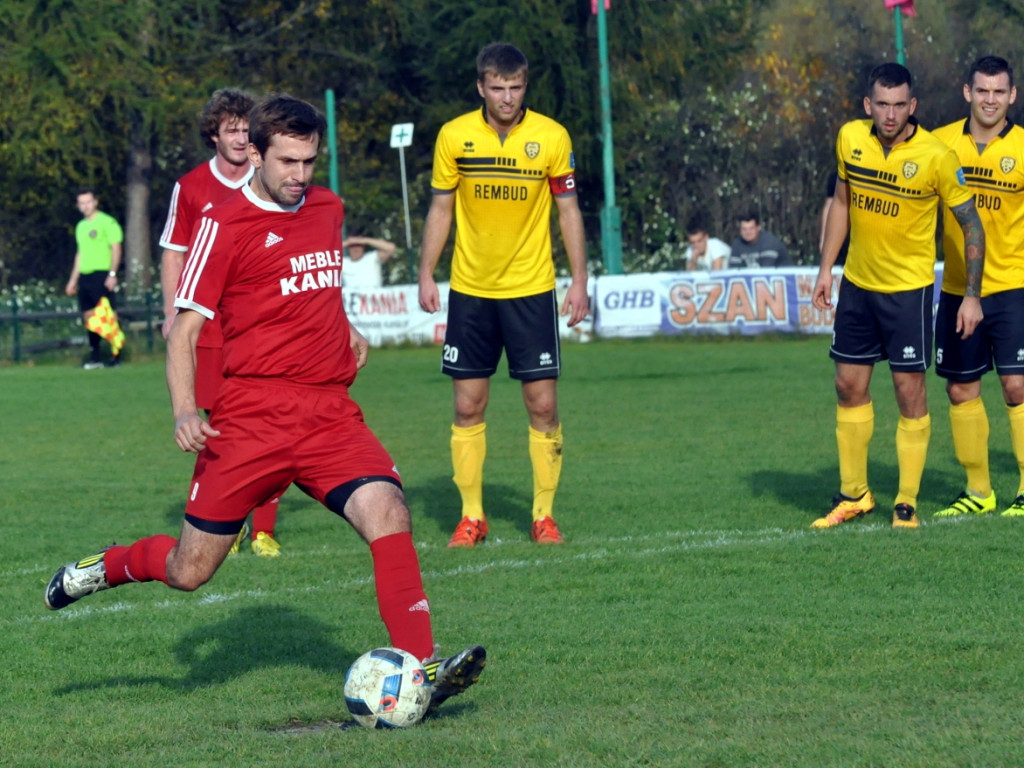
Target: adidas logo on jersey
column 272, row 239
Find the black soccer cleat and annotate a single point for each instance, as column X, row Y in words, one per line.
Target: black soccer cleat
column 453, row 675
column 76, row 580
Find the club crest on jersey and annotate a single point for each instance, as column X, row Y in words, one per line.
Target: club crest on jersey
column 532, row 149
column 1007, row 164
column 909, row 169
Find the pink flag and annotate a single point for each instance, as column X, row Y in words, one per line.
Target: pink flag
column 608, row 6
column 907, row 6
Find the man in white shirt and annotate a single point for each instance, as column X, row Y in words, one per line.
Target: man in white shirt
column 704, row 252
column 362, row 261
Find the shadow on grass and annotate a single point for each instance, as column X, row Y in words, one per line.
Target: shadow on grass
column 679, row 373
column 438, row 498
column 253, row 637
column 813, row 490
column 256, row 637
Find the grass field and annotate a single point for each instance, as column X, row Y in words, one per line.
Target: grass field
column 691, row 619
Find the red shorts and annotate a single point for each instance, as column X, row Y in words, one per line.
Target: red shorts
column 273, row 434
column 209, row 375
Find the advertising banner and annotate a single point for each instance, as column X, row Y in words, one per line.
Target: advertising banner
column 392, row 315
column 738, row 301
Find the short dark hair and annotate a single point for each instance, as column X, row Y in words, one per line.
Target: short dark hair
column 890, row 75
column 283, row 114
column 501, row 59
column 696, row 225
column 749, row 216
column 991, row 66
column 86, row 191
column 225, row 102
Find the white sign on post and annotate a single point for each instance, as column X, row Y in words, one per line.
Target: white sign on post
column 401, row 135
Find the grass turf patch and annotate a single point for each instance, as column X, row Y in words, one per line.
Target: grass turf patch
column 692, row 618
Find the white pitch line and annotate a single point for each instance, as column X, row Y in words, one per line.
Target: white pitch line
column 670, row 542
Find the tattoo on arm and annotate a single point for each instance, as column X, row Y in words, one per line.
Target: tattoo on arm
column 974, row 245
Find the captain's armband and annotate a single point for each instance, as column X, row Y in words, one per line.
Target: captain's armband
column 561, row 185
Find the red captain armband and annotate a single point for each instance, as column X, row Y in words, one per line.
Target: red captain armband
column 562, row 185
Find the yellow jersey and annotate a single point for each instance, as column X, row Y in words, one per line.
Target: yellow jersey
column 894, row 198
column 995, row 174
column 503, row 191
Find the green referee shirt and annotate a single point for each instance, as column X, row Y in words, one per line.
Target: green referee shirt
column 94, row 237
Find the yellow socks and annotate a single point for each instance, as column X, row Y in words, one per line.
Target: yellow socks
column 969, row 423
column 469, row 448
column 1016, row 414
column 912, row 437
column 546, row 457
column 854, row 427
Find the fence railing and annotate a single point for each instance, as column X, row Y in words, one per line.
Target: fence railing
column 25, row 334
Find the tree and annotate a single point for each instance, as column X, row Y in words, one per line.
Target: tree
column 88, row 97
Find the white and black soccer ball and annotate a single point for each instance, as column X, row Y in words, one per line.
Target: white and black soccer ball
column 387, row 688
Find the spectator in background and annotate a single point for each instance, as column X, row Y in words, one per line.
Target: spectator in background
column 361, row 268
column 756, row 247
column 704, row 252
column 94, row 274
column 830, row 193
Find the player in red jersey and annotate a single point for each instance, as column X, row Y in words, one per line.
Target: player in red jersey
column 224, row 126
column 268, row 262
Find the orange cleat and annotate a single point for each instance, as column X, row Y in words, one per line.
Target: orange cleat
column 468, row 532
column 545, row 531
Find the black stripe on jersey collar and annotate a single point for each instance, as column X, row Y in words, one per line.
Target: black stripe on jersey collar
column 912, row 121
column 522, row 114
column 1002, row 133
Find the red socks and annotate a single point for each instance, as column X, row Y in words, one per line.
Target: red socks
column 396, row 570
column 145, row 560
column 264, row 517
column 400, row 597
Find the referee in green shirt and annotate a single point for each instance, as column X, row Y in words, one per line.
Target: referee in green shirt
column 94, row 274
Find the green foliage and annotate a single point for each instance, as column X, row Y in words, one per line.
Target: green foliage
column 691, row 619
column 718, row 105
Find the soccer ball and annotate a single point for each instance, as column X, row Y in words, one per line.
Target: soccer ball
column 387, row 688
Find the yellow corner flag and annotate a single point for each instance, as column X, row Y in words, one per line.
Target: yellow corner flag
column 103, row 321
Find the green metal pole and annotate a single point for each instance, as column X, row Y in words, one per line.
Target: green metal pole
column 17, row 330
column 332, row 141
column 149, row 321
column 901, row 56
column 611, row 216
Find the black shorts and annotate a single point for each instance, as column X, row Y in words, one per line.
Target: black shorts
column 479, row 329
column 871, row 326
column 998, row 339
column 91, row 290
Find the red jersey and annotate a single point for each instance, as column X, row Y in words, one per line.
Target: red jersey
column 194, row 194
column 272, row 274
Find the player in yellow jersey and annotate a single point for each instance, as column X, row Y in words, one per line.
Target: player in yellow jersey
column 891, row 172
column 991, row 149
column 496, row 171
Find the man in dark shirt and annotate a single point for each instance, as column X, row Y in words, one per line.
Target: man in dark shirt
column 756, row 247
